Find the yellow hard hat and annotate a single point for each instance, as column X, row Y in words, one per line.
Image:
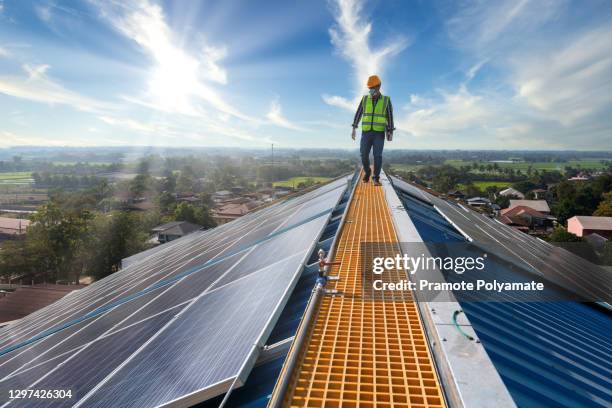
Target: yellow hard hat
column 373, row 81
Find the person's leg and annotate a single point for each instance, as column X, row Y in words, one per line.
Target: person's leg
column 365, row 147
column 378, row 143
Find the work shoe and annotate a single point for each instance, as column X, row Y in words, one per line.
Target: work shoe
column 366, row 179
column 376, row 182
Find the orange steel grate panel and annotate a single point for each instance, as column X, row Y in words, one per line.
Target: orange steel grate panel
column 365, row 352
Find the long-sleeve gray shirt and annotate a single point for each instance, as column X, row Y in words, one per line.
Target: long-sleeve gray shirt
column 389, row 114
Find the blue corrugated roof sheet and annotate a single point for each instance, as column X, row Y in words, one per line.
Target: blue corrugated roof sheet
column 549, row 354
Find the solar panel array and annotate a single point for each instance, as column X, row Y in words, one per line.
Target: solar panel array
column 177, row 327
column 589, row 282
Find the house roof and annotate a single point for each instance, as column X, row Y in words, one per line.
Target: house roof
column 511, row 191
column 223, row 193
column 13, row 226
column 476, row 199
column 539, row 205
column 539, row 349
column 236, row 209
column 28, row 299
column 523, row 210
column 596, row 223
column 177, row 228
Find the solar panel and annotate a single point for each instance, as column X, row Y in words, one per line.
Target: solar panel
column 410, row 189
column 588, row 281
column 179, row 324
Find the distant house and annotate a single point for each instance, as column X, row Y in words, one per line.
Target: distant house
column 456, row 194
column 222, row 195
column 28, row 299
column 11, row 228
column 582, row 225
column 582, row 176
column 527, row 219
column 141, row 205
column 173, row 230
column 538, row 205
column 478, row 201
column 512, row 192
column 231, row 211
column 189, row 199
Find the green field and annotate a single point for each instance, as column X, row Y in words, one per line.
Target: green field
column 17, row 177
column 588, row 163
column 294, row 181
column 483, row 184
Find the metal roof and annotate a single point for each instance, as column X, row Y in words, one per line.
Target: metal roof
column 549, row 354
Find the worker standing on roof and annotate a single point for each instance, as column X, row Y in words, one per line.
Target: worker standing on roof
column 376, row 114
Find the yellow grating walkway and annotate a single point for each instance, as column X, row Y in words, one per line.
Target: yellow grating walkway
column 363, row 352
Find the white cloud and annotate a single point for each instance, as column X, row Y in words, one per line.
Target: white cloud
column 178, row 78
column 340, row 102
column 38, row 87
column 129, row 124
column 4, row 52
column 212, row 56
column 44, row 13
column 351, row 39
column 275, row 116
column 36, row 72
column 487, row 28
column 568, row 83
column 454, row 113
column 8, row 139
column 545, row 87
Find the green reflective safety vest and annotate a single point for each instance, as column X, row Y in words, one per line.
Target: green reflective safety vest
column 374, row 117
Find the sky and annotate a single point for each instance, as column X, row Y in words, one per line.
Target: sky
column 514, row 74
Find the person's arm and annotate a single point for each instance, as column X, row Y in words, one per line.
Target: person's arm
column 356, row 120
column 389, row 113
column 358, row 114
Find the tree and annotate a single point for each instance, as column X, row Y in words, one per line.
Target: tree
column 56, row 237
column 139, row 185
column 561, row 235
column 186, row 180
column 472, row 191
column 114, row 237
column 604, row 209
column 197, row 215
column 185, row 212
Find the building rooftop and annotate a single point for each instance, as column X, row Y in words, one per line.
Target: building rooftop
column 176, row 228
column 512, row 192
column 13, row 226
column 538, row 205
column 524, row 210
column 594, row 223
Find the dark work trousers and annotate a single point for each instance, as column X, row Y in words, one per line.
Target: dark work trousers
column 372, row 139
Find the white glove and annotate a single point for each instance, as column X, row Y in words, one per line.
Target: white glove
column 353, row 134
